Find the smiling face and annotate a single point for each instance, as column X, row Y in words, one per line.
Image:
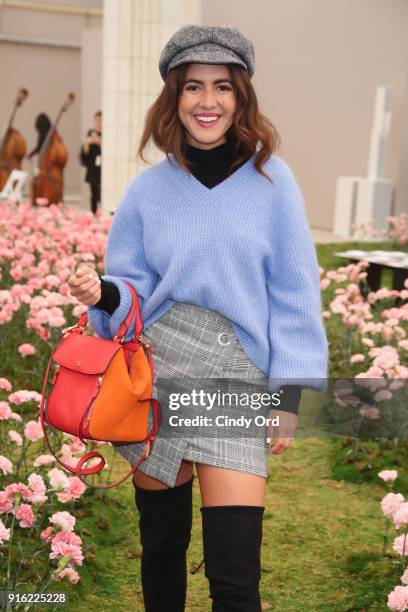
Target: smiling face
column 207, row 104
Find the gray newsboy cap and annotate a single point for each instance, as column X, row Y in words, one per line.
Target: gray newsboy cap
column 207, row 45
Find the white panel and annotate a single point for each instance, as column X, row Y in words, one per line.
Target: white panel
column 374, row 202
column 123, row 116
column 136, row 74
column 152, row 69
column 111, row 39
column 155, row 11
column 124, row 83
column 125, row 10
column 155, row 47
column 136, row 41
column 132, row 82
column 145, row 33
column 192, row 11
column 172, row 11
column 125, row 39
column 110, row 74
column 111, row 11
column 110, row 108
column 344, row 212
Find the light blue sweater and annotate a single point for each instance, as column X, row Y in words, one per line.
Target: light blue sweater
column 242, row 248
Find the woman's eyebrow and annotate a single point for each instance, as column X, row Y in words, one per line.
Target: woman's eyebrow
column 202, row 82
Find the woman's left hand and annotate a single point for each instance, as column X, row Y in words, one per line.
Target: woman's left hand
column 282, row 434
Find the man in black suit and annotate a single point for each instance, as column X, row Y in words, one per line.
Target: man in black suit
column 90, row 157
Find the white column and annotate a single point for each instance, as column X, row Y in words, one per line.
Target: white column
column 134, row 33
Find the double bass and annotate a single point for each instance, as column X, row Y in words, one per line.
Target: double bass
column 47, row 181
column 12, row 145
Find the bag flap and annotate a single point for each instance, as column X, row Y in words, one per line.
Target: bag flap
column 86, row 354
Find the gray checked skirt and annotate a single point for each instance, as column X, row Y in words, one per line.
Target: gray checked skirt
column 189, row 341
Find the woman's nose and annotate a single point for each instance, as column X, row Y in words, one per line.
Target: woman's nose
column 208, row 99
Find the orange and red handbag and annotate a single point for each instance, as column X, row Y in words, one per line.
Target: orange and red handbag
column 101, row 390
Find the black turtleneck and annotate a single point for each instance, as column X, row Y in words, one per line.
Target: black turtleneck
column 210, row 166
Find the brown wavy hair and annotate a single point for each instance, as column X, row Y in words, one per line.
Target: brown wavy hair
column 249, row 127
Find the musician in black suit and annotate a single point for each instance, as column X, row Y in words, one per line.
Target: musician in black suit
column 90, row 157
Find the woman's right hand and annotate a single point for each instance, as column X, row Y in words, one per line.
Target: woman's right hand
column 85, row 285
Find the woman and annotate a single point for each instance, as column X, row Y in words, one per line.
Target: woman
column 215, row 241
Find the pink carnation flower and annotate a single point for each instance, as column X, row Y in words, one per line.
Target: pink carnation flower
column 18, row 488
column 400, row 516
column 5, row 411
column 33, row 431
column 64, row 520
column 4, row 533
column 383, row 395
column 388, row 475
column 404, row 577
column 6, row 503
column 77, row 446
column 15, row 437
column 391, row 502
column 69, row 537
column 69, row 573
column 64, row 496
column 43, row 460
column 23, row 395
column 26, row 349
column 76, row 487
column 398, row 599
column 371, row 412
column 58, row 479
column 46, row 534
column 25, row 515
column 61, row 549
column 73, row 489
column 5, row 384
column 5, row 465
column 37, row 485
column 357, row 358
column 399, row 547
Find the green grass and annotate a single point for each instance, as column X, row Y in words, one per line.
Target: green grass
column 322, row 541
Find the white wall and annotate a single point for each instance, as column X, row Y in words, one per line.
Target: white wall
column 318, row 63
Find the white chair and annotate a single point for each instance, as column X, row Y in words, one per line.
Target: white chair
column 14, row 186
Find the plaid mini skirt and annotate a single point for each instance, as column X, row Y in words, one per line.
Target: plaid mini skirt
column 193, row 343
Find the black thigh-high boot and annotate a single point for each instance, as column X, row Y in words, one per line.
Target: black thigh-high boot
column 232, row 537
column 165, row 528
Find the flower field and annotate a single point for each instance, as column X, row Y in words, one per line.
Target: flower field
column 57, row 534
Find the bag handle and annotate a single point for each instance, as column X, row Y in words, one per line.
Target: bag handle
column 78, row 470
column 124, row 326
